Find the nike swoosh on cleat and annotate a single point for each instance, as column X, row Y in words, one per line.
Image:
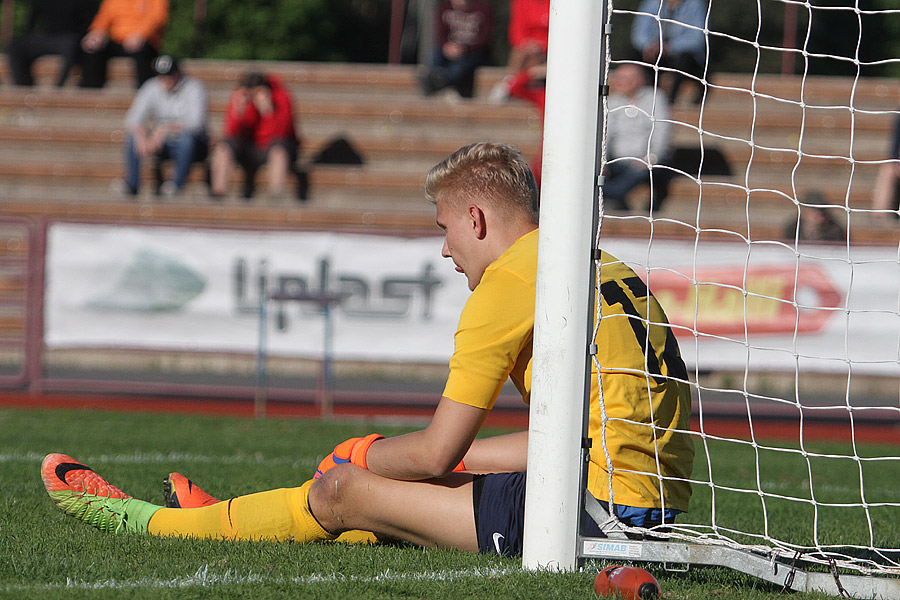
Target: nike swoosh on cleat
column 498, row 537
column 63, row 469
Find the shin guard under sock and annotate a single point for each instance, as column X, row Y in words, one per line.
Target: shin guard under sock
column 276, row 515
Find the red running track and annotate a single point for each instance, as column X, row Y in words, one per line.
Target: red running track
column 722, row 425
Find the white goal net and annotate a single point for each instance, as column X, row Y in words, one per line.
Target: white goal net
column 769, row 234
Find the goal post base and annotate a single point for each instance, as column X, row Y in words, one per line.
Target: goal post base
column 776, row 570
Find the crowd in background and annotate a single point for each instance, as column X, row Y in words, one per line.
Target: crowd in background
column 168, row 119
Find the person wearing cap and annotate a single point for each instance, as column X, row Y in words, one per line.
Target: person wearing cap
column 166, row 121
column 259, row 130
column 124, row 28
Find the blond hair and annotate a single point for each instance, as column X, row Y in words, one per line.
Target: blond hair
column 495, row 173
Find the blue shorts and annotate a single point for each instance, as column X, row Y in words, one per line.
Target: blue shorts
column 499, row 503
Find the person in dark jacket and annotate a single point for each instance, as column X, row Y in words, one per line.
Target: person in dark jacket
column 54, row 27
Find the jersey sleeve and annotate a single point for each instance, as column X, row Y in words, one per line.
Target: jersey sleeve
column 495, row 326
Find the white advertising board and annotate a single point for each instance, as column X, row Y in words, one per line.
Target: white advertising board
column 770, row 306
column 817, row 309
column 198, row 289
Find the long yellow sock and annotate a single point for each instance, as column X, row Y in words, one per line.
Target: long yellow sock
column 356, row 536
column 276, row 515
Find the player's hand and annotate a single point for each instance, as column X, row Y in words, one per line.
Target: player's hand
column 262, row 100
column 352, row 451
column 94, row 40
column 133, row 43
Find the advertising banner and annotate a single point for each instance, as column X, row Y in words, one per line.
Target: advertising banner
column 768, row 306
column 199, row 289
column 733, row 305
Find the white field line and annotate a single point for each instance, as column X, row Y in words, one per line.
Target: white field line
column 168, row 457
column 204, row 578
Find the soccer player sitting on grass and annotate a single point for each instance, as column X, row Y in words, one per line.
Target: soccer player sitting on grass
column 439, row 486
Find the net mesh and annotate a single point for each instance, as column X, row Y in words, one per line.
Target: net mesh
column 767, row 229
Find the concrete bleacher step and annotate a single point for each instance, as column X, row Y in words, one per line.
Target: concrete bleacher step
column 816, row 90
column 62, row 148
column 221, row 76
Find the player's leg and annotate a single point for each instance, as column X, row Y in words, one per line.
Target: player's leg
column 347, row 498
column 278, row 166
column 883, row 192
column 183, row 150
column 222, row 166
column 20, row 54
column 275, row 515
column 143, row 62
column 93, row 68
column 181, row 492
column 132, row 166
column 427, row 513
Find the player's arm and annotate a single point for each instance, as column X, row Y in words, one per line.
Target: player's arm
column 432, row 452
column 498, row 454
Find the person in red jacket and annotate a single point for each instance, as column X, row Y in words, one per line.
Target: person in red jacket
column 259, row 130
column 531, row 84
column 528, row 33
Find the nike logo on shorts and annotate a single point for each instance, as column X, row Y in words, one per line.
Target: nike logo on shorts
column 498, row 537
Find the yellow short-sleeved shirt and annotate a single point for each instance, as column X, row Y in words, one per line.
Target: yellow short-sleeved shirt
column 646, row 395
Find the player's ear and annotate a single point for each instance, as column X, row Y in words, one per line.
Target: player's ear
column 479, row 222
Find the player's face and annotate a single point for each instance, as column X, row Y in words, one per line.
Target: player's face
column 626, row 80
column 460, row 239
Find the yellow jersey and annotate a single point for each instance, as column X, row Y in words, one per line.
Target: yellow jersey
column 644, row 381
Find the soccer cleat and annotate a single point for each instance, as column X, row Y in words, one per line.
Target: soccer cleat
column 61, row 472
column 109, row 515
column 81, row 493
column 181, row 492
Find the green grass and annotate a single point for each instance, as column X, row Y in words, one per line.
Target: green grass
column 44, row 554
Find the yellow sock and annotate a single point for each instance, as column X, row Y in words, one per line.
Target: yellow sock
column 356, row 536
column 276, row 515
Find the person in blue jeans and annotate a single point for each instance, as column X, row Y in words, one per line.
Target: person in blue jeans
column 166, row 121
column 670, row 33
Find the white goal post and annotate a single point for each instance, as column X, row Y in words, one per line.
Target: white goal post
column 792, row 343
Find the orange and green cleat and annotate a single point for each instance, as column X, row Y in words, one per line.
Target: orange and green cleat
column 181, row 492
column 81, row 493
column 61, row 473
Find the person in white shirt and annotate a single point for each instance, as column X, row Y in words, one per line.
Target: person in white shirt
column 638, row 137
column 167, row 120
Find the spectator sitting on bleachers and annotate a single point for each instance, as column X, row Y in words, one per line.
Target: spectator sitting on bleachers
column 884, row 195
column 464, row 29
column 166, row 121
column 815, row 223
column 124, row 28
column 528, row 32
column 637, row 138
column 531, row 84
column 54, row 27
column 671, row 32
column 259, row 130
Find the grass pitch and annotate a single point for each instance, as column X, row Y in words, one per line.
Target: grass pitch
column 45, row 554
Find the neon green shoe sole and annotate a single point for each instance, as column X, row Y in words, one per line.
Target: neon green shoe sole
column 110, row 515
